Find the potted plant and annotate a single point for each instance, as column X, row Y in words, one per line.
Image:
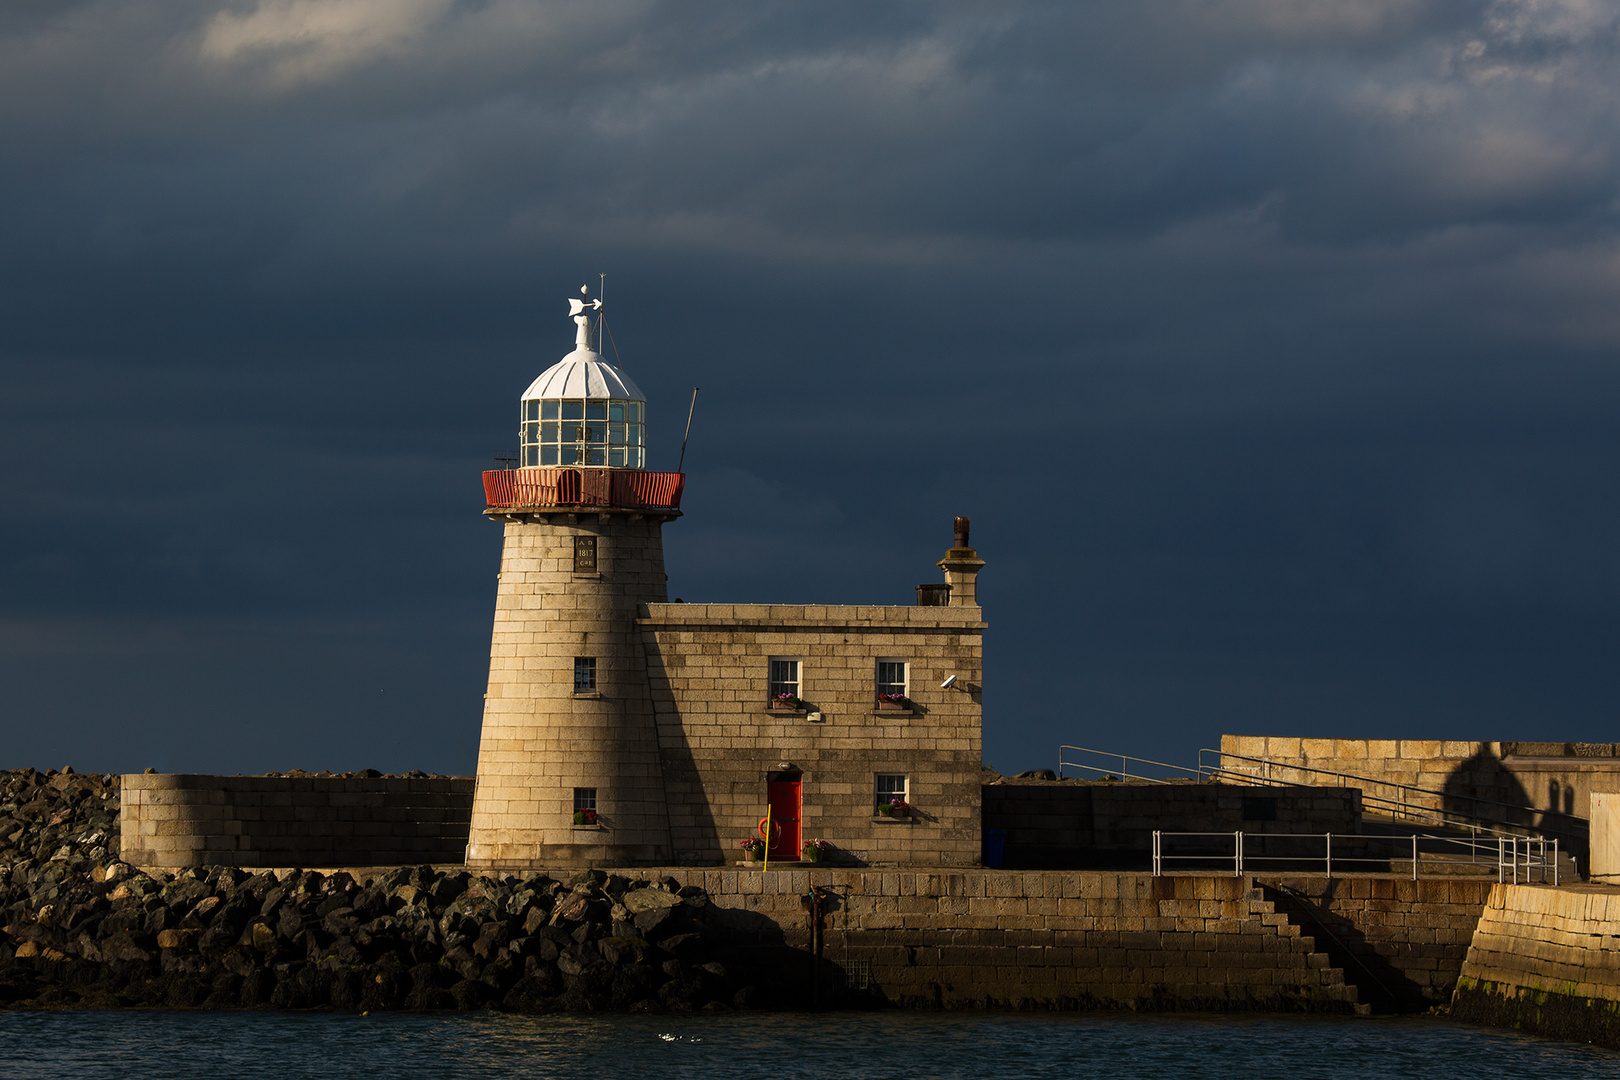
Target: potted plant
column 894, row 808
column 786, row 701
column 893, row 701
column 755, row 847
column 816, row 850
column 584, row 817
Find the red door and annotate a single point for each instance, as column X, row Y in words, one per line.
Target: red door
column 782, row 792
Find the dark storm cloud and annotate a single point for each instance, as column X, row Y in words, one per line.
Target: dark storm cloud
column 1271, row 344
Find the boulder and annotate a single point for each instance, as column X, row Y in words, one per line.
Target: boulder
column 471, row 994
column 178, row 939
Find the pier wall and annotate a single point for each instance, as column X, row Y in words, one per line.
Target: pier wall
column 1406, row 939
column 1541, row 786
column 1082, row 939
column 176, row 820
column 1546, row 959
column 1077, row 824
column 945, row 937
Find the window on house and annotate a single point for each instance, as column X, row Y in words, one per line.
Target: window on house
column 784, row 678
column 584, row 674
column 584, row 554
column 888, row 788
column 891, row 680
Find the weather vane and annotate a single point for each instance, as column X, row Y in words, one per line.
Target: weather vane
column 576, row 308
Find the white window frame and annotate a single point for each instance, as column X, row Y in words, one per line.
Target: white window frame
column 774, row 686
column 585, row 800
column 882, row 794
column 905, row 678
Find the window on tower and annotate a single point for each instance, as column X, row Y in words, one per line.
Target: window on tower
column 584, row 806
column 584, row 674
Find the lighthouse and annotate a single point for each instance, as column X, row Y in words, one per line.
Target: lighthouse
column 568, row 760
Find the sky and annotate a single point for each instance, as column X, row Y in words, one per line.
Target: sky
column 1271, row 346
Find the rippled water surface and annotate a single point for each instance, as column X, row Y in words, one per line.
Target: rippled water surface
column 295, row 1046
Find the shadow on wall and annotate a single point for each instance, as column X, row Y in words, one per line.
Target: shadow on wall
column 694, row 835
column 1483, row 789
column 1379, row 982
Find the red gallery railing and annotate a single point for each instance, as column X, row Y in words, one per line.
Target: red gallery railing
column 629, row 489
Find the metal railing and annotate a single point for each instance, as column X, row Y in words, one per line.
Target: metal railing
column 1124, row 770
column 1518, row 860
column 1400, row 801
column 631, row 489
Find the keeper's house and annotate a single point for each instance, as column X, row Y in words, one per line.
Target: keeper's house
column 622, row 729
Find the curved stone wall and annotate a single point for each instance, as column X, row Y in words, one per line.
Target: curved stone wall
column 541, row 740
column 179, row 819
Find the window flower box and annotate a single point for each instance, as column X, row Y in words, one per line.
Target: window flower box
column 893, row 703
column 585, row 818
column 897, row 808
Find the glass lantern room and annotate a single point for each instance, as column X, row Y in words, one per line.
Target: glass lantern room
column 584, row 431
column 583, row 411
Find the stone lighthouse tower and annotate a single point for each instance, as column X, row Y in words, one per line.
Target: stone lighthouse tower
column 568, row 762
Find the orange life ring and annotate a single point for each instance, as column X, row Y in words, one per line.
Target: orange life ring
column 775, row 828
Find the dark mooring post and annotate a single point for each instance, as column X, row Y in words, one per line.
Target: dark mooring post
column 816, row 903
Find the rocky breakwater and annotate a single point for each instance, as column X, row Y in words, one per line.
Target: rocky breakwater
column 81, row 929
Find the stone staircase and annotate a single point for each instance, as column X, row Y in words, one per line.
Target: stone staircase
column 1335, row 984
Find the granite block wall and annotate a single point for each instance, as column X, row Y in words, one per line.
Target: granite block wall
column 708, row 666
column 1544, row 787
column 1546, row 959
column 178, row 820
column 1409, row 938
column 1077, row 824
column 1079, row 939
column 542, row 738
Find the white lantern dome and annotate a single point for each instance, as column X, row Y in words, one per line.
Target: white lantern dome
column 583, row 410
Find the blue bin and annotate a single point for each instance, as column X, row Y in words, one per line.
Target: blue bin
column 995, row 846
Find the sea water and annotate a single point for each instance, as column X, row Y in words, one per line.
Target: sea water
column 295, row 1046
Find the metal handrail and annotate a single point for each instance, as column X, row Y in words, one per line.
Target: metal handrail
column 1401, row 806
column 1536, row 856
column 1124, row 773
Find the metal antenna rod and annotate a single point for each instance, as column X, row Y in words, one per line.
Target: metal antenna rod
column 692, row 408
column 601, row 317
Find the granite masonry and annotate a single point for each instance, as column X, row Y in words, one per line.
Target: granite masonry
column 82, row 928
column 622, row 729
column 723, row 743
column 1546, row 960
column 1541, row 786
column 1071, row 824
column 180, row 820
